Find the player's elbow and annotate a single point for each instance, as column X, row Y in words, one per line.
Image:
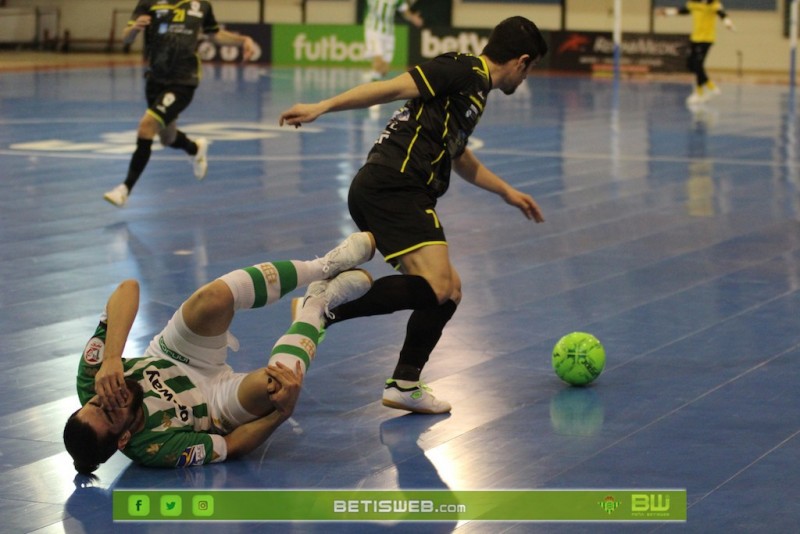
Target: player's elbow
column 129, row 284
column 235, row 447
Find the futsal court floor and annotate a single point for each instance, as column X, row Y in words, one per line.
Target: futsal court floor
column 671, row 234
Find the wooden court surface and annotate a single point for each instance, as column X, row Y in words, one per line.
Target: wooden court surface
column 672, row 234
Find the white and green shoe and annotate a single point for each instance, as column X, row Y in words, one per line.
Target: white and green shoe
column 358, row 248
column 412, row 396
column 344, row 287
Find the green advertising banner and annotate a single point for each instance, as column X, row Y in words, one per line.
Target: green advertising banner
column 628, row 505
column 329, row 45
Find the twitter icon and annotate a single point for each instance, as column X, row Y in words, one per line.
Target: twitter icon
column 171, row 505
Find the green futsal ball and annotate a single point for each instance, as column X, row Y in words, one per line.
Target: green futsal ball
column 578, row 358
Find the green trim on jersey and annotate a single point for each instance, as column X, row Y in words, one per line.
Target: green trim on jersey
column 177, row 429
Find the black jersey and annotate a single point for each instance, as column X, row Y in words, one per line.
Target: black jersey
column 424, row 136
column 171, row 38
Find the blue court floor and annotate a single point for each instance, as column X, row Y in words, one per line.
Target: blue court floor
column 672, row 234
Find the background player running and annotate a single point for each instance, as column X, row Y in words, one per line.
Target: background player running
column 704, row 33
column 171, row 33
column 379, row 33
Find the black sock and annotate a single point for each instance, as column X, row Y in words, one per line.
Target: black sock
column 422, row 334
column 408, row 372
column 138, row 161
column 388, row 295
column 182, row 142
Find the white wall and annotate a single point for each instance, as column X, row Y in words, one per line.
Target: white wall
column 17, row 25
column 85, row 19
column 758, row 43
column 475, row 15
column 758, row 37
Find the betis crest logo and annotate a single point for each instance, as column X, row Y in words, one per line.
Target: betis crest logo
column 609, row 504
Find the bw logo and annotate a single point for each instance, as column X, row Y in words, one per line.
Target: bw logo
column 649, row 502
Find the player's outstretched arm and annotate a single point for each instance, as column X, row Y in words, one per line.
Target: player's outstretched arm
column 728, row 22
column 470, row 168
column 132, row 30
column 121, row 309
column 225, row 37
column 401, row 87
column 672, row 11
column 413, row 17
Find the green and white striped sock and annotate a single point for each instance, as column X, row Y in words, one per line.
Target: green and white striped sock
column 266, row 283
column 300, row 341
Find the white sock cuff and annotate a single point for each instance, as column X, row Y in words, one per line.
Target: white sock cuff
column 289, row 360
column 312, row 312
column 241, row 285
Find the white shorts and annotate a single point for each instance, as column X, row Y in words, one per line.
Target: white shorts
column 204, row 360
column 379, row 44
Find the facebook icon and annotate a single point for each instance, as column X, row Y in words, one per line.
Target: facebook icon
column 138, row 505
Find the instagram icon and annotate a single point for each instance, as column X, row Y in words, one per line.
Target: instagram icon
column 203, row 505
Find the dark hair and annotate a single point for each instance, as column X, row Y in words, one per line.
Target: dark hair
column 88, row 450
column 513, row 38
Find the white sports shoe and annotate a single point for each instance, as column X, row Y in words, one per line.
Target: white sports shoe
column 375, row 112
column 356, row 249
column 117, row 196
column 371, row 76
column 345, row 287
column 200, row 160
column 416, row 398
column 711, row 89
column 697, row 97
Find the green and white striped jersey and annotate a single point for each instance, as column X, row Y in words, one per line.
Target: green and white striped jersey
column 177, row 429
column 381, row 13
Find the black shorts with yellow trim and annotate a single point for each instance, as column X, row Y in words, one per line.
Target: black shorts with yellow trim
column 397, row 208
column 166, row 101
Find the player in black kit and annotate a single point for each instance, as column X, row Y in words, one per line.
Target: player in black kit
column 394, row 194
column 172, row 29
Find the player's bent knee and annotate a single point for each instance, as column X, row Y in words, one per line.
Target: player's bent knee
column 167, row 136
column 444, row 290
column 211, row 304
column 456, row 297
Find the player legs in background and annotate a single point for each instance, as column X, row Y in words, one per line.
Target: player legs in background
column 379, row 35
column 165, row 103
column 704, row 88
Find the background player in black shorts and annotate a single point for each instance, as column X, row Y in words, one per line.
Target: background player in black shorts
column 171, row 32
column 394, row 194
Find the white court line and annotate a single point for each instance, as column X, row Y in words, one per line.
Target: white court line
column 181, row 157
column 502, row 152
